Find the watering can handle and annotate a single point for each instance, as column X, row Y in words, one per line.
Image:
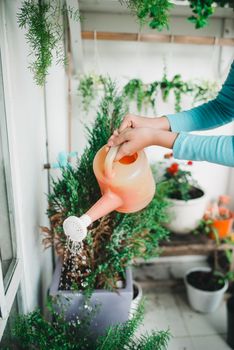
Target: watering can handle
column 108, row 165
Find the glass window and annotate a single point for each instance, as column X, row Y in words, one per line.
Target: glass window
column 7, row 341
column 7, row 236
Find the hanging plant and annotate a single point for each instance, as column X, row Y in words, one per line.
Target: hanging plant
column 44, row 33
column 155, row 13
column 202, row 10
column 88, row 87
column 205, row 91
column 178, row 86
column 145, row 95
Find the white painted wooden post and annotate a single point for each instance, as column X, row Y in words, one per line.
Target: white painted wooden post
column 76, row 40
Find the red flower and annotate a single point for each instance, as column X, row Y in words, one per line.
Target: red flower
column 173, row 169
column 190, row 162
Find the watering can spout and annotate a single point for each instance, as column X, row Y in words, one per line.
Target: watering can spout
column 76, row 228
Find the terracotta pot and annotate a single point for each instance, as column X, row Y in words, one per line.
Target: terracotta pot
column 223, row 227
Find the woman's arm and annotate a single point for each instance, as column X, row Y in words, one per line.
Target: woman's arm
column 214, row 149
column 210, row 115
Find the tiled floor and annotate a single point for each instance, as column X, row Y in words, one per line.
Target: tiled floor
column 190, row 330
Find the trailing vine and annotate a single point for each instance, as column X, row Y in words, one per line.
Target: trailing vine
column 44, row 33
column 155, row 13
column 204, row 91
column 179, row 88
column 202, row 10
column 145, row 95
column 88, row 86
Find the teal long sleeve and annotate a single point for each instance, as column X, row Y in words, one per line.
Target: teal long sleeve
column 220, row 111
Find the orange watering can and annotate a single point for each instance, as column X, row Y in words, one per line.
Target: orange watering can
column 127, row 186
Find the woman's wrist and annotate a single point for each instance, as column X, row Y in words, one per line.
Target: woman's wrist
column 164, row 138
column 162, row 123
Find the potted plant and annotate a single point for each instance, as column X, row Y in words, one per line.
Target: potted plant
column 35, row 331
column 221, row 272
column 205, row 288
column 112, row 242
column 187, row 199
column 206, row 285
column 219, row 218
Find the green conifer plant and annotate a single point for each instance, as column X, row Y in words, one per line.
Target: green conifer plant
column 114, row 241
column 35, row 331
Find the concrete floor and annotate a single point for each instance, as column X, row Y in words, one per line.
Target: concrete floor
column 167, row 308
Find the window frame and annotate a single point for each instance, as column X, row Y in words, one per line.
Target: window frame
column 14, row 275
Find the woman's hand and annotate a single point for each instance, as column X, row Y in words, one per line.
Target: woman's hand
column 134, row 121
column 132, row 140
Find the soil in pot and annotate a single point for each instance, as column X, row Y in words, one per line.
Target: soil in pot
column 194, row 193
column 205, row 280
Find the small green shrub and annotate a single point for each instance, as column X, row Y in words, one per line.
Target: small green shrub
column 34, row 331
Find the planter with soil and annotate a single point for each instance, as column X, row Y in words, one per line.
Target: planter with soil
column 204, row 289
column 186, row 215
column 111, row 307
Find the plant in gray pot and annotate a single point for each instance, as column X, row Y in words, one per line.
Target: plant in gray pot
column 100, row 272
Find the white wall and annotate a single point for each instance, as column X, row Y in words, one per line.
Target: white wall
column 27, row 118
column 126, row 60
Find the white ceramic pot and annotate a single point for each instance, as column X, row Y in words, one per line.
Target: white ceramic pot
column 186, row 215
column 137, row 296
column 204, row 301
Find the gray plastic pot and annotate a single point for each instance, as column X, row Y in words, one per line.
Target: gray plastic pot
column 112, row 307
column 204, row 301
